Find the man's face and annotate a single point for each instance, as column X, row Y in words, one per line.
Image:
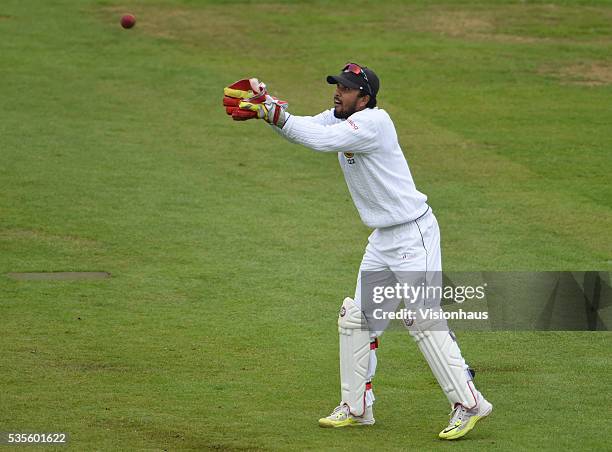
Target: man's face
column 347, row 101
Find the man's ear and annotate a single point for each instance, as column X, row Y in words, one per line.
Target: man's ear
column 363, row 101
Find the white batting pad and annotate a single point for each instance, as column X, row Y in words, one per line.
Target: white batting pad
column 354, row 356
column 448, row 366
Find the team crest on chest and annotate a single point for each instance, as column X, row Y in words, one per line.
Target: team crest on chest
column 349, row 157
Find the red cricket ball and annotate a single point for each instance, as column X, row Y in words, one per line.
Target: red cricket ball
column 128, row 21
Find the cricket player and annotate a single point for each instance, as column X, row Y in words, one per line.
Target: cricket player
column 405, row 236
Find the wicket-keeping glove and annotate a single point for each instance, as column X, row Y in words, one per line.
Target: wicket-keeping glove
column 270, row 109
column 238, row 91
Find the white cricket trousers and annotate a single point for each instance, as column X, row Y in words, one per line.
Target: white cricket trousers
column 408, row 247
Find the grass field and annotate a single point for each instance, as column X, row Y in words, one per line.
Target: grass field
column 230, row 250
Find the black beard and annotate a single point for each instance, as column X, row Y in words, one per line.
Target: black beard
column 344, row 114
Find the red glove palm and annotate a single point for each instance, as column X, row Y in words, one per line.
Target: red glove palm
column 250, row 90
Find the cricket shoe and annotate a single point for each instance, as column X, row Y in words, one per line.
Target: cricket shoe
column 463, row 420
column 341, row 417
